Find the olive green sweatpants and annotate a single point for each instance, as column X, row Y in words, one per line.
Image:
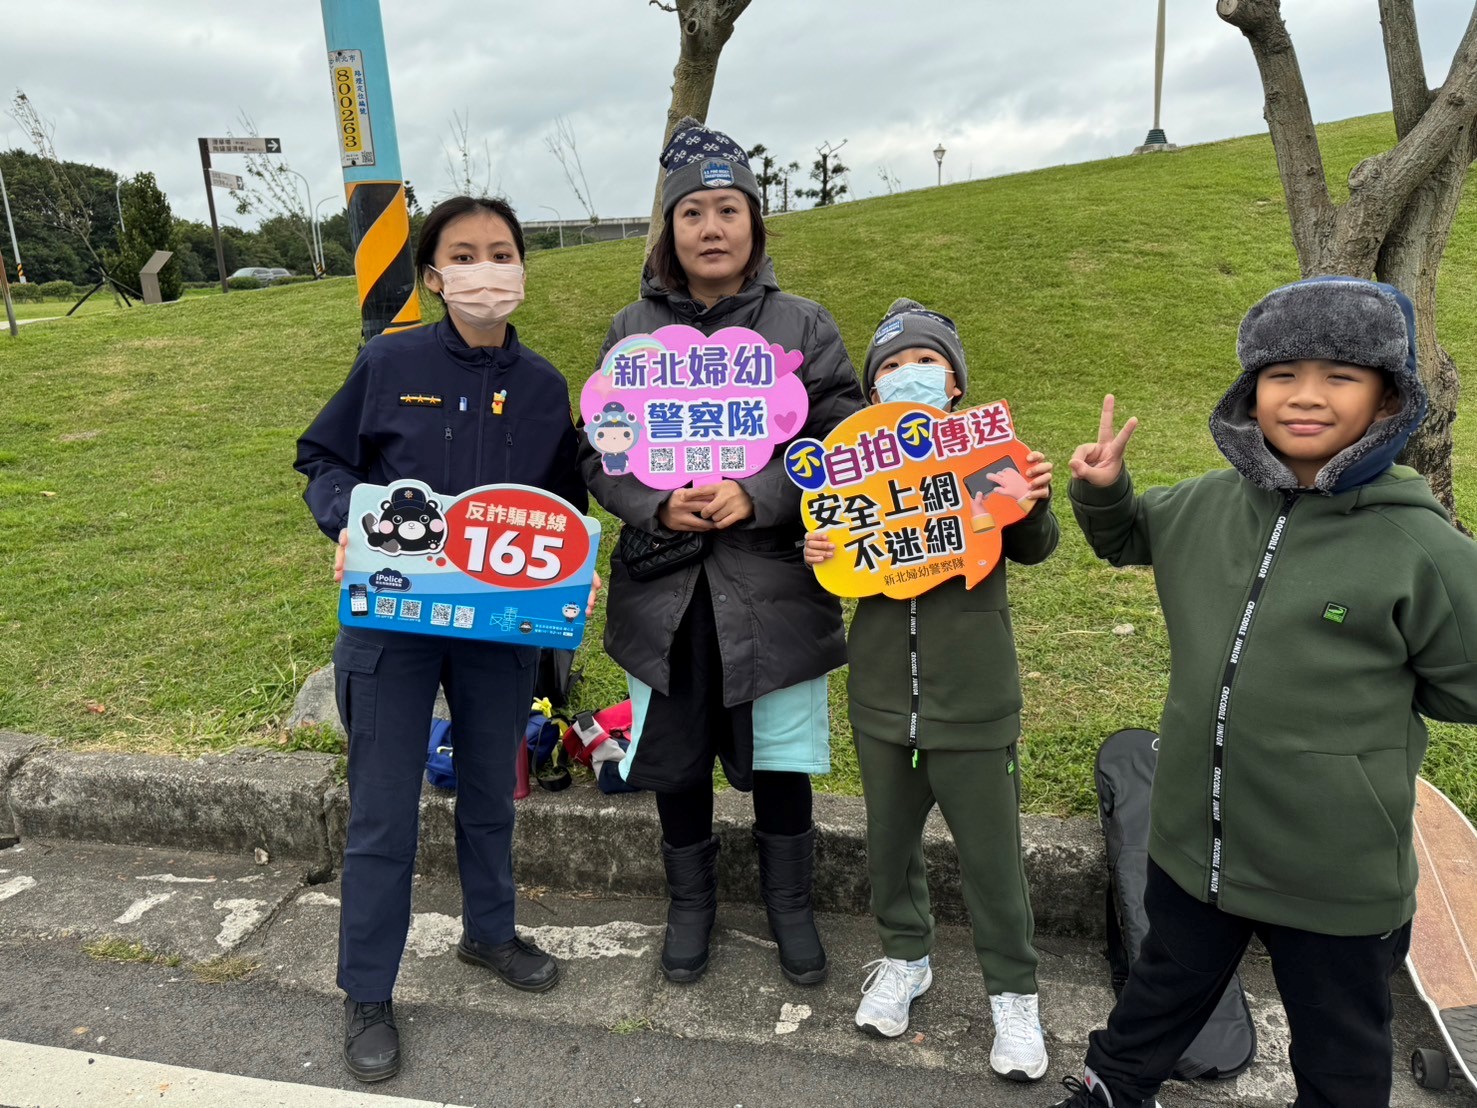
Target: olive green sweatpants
column 978, row 792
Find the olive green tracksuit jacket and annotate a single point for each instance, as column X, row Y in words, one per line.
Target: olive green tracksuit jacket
column 1309, row 634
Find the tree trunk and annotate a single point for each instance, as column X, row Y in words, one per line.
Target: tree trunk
column 705, row 27
column 1411, row 261
column 1402, row 202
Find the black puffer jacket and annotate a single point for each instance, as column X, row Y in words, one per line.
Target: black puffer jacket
column 776, row 625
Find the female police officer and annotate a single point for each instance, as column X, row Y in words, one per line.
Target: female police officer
column 456, row 404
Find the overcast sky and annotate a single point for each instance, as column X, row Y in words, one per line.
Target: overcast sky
column 1004, row 86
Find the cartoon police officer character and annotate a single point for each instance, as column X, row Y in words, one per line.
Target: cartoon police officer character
column 612, row 432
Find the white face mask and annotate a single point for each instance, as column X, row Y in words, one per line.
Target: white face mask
column 481, row 295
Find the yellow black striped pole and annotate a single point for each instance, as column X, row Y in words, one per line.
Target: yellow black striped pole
column 379, row 220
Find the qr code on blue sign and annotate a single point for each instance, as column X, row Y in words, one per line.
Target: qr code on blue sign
column 663, row 459
column 384, row 606
column 731, row 458
column 698, row 459
column 410, row 609
column 440, row 615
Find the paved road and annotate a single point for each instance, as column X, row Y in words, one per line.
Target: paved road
column 613, row 1034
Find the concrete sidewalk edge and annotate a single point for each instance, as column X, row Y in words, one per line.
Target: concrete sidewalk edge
column 578, row 840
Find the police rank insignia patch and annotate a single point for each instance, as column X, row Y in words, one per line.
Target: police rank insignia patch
column 419, row 400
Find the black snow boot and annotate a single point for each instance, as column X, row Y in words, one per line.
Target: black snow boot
column 692, row 884
column 786, row 876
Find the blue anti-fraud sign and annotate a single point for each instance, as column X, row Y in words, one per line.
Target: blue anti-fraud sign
column 503, row 563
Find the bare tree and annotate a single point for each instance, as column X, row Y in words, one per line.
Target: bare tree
column 271, row 189
column 1397, row 219
column 890, row 180
column 705, row 26
column 462, row 163
column 67, row 205
column 562, row 144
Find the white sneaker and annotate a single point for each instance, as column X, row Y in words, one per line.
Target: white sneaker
column 1019, row 1052
column 889, row 991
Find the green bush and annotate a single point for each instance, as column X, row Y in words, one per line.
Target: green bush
column 299, row 279
column 243, row 283
column 26, row 294
column 57, row 290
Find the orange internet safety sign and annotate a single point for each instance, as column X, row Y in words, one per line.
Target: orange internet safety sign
column 911, row 496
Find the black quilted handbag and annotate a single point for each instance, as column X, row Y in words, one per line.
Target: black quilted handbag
column 647, row 556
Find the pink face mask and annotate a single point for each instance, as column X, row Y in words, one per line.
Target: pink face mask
column 481, row 295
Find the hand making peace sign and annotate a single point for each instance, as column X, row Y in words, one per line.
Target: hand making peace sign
column 1099, row 463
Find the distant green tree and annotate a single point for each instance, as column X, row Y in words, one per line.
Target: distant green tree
column 336, row 260
column 824, row 172
column 148, row 225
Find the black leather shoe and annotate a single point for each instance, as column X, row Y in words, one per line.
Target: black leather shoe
column 371, row 1040
column 517, row 961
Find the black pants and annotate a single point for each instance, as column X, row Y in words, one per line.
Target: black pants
column 1336, row 991
column 687, row 727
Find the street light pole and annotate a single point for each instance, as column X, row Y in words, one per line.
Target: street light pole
column 938, row 156
column 315, row 256
column 560, row 218
column 322, row 262
column 118, row 199
column 20, row 270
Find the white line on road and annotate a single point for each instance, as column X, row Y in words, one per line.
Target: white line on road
column 245, row 914
column 137, row 909
column 15, row 885
column 48, row 1076
column 172, row 879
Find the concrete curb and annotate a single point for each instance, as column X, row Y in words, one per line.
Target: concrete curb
column 578, row 840
column 14, row 750
column 228, row 804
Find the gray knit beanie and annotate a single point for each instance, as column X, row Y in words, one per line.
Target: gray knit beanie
column 696, row 158
column 908, row 324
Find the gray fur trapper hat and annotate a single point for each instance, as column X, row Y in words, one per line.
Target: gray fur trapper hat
column 697, row 157
column 1338, row 319
column 908, row 324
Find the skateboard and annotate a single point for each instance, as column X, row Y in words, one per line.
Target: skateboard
column 1443, row 942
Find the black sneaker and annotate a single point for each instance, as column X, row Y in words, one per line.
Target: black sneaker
column 1094, row 1094
column 371, row 1040
column 517, row 961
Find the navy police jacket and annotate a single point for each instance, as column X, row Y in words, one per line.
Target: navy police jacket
column 422, row 405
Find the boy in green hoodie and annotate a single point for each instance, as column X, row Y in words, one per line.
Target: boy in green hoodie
column 966, row 700
column 1318, row 603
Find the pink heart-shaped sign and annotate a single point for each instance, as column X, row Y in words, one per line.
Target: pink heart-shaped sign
column 785, row 421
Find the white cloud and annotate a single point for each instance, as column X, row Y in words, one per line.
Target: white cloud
column 131, row 85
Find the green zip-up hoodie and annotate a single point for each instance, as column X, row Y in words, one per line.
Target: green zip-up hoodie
column 1310, row 630
column 969, row 688
column 1311, row 692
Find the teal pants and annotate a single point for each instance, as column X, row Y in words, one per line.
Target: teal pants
column 978, row 792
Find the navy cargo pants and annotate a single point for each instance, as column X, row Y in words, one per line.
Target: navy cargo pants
column 386, row 685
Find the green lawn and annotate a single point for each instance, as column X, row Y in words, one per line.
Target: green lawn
column 168, row 591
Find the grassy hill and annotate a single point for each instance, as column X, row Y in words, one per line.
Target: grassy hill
column 166, row 589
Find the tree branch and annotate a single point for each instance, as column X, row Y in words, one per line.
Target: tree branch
column 1290, row 122
column 659, row 4
column 1380, row 187
column 1409, row 93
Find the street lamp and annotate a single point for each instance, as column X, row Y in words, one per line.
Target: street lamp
column 117, row 199
column 318, row 234
column 560, row 218
column 938, row 156
column 317, row 258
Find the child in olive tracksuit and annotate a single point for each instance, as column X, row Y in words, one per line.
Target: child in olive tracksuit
column 1318, row 603
column 963, row 757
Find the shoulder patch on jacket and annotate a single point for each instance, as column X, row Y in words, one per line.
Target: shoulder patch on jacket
column 419, row 400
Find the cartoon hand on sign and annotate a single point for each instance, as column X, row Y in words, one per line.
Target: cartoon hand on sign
column 903, row 497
